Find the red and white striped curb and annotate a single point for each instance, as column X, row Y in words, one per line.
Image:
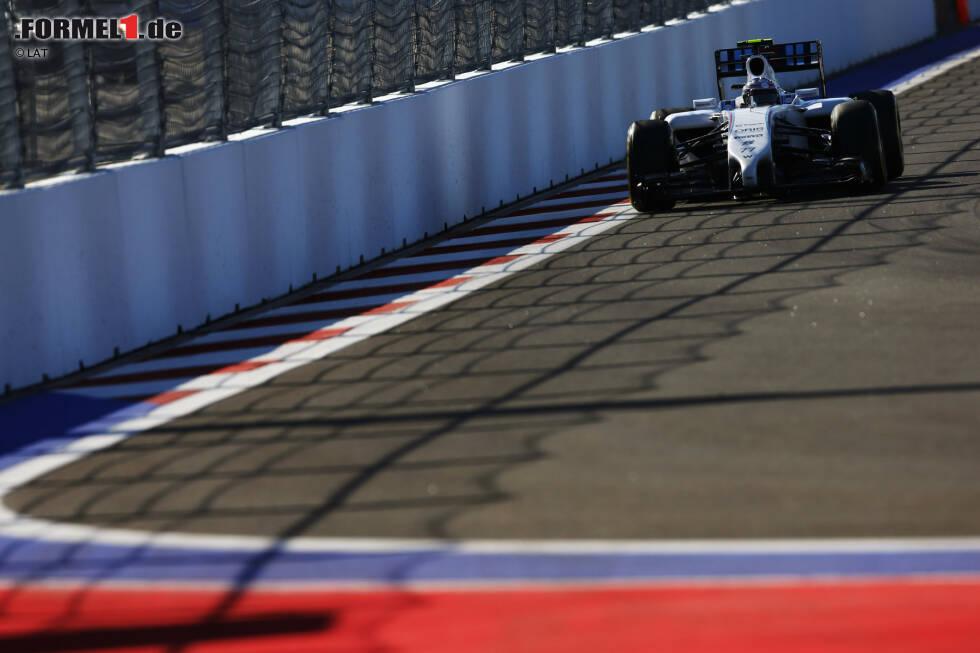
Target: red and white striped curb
column 224, row 362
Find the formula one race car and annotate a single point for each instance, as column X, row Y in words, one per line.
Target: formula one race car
column 765, row 141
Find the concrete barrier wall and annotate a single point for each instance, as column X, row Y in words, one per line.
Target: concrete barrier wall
column 119, row 258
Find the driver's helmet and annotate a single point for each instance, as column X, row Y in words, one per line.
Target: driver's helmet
column 760, row 92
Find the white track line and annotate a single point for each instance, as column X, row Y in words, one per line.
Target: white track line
column 927, row 73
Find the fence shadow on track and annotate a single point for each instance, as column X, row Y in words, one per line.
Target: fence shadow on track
column 410, row 431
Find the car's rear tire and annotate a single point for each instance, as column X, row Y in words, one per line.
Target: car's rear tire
column 855, row 133
column 890, row 126
column 649, row 151
column 661, row 114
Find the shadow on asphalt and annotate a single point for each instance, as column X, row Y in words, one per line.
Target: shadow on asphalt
column 164, row 637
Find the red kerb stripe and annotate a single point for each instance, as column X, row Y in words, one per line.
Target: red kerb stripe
column 847, row 618
column 501, row 260
column 323, row 334
column 549, row 239
column 246, row 366
column 449, row 283
column 388, row 308
column 165, row 398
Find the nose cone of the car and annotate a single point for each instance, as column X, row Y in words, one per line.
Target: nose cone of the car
column 749, row 148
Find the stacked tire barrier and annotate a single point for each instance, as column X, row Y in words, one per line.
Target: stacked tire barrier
column 115, row 259
column 246, row 63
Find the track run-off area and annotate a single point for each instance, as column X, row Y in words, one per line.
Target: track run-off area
column 736, row 426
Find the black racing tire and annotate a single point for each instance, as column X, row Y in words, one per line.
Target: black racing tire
column 661, row 114
column 855, row 133
column 890, row 126
column 649, row 150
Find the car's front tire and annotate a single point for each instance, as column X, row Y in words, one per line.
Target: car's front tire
column 649, row 150
column 855, row 133
column 890, row 126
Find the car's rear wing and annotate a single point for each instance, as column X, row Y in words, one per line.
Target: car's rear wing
column 783, row 57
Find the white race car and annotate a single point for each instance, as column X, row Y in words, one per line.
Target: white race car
column 764, row 141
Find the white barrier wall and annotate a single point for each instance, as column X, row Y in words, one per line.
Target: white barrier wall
column 121, row 257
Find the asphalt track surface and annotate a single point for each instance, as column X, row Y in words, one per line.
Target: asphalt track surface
column 770, row 369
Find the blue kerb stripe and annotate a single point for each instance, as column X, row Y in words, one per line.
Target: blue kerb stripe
column 25, row 560
column 48, row 422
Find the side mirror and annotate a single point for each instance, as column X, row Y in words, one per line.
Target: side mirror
column 806, row 94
